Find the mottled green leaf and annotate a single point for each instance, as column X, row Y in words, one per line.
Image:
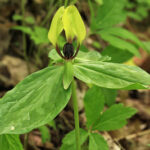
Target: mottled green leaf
column 34, row 102
column 87, row 56
column 112, row 75
column 81, row 57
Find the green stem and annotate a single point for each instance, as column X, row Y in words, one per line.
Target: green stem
column 66, row 3
column 76, row 115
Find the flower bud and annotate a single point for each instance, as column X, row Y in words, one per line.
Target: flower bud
column 69, row 20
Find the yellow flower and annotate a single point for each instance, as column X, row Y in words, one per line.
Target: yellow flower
column 69, row 20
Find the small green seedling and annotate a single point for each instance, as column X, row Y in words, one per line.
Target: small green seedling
column 98, row 120
column 41, row 96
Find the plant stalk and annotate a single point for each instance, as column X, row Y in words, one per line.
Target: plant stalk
column 76, row 115
column 66, row 3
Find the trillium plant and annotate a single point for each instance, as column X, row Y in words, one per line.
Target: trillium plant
column 41, row 96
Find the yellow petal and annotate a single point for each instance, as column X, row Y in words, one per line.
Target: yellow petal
column 56, row 26
column 73, row 24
